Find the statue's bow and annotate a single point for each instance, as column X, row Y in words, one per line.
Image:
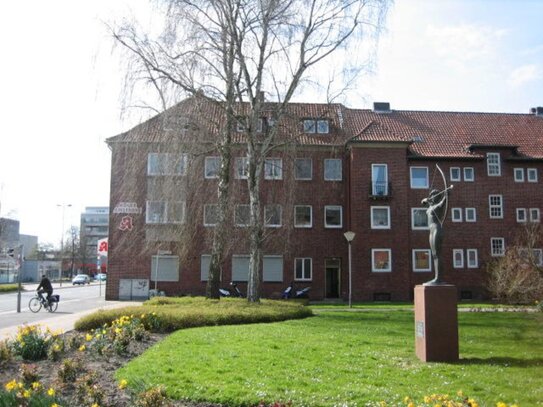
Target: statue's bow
column 445, row 191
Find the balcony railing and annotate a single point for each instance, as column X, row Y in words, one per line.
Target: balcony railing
column 380, row 190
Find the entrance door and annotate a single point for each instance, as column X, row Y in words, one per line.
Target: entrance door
column 332, row 270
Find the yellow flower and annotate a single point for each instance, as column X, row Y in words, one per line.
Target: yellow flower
column 95, row 405
column 122, row 384
column 411, row 404
column 26, row 394
column 11, row 385
column 103, row 331
column 406, row 399
column 142, row 316
column 55, row 405
column 82, row 348
column 427, row 399
column 36, row 385
column 117, row 331
column 56, row 348
column 501, row 404
column 51, row 392
column 460, row 393
column 88, row 337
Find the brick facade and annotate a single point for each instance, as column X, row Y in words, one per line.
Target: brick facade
column 362, row 146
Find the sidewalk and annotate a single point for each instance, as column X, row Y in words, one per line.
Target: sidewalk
column 66, row 322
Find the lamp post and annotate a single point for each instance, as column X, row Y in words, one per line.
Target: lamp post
column 63, row 206
column 349, row 236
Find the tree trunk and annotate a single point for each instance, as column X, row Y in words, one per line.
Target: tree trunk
column 255, row 228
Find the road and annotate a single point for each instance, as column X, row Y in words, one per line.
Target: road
column 72, row 300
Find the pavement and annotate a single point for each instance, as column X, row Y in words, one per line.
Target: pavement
column 66, row 322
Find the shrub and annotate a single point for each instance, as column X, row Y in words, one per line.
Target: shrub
column 20, row 394
column 87, row 391
column 69, row 370
column 153, row 397
column 6, row 353
column 56, row 349
column 6, row 288
column 75, row 342
column 31, row 342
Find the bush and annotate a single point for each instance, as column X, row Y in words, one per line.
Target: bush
column 69, row 370
column 153, row 397
column 6, row 353
column 32, row 343
column 7, row 288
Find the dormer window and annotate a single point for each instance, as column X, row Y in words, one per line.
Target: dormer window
column 241, row 125
column 319, row 126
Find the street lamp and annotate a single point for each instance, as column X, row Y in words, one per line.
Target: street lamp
column 350, row 237
column 63, row 206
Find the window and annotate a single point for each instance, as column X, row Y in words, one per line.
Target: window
column 532, row 174
column 240, row 124
column 471, row 215
column 164, row 268
column 497, row 246
column 534, row 214
column 380, row 217
column 167, row 164
column 419, row 177
column 303, row 269
column 458, row 258
column 493, row 165
column 379, row 179
column 176, row 212
column 211, row 167
column 422, row 260
column 241, row 215
column 419, row 219
column 320, row 126
column 242, row 167
column 473, row 262
column 303, row 216
column 455, row 173
column 205, row 261
column 240, row 267
column 333, row 217
column 521, row 215
column 211, row 214
column 518, row 174
column 156, row 164
column 272, row 268
column 538, row 257
column 456, row 214
column 272, row 216
column 303, row 169
column 495, row 206
column 380, row 260
column 332, row 169
column 156, row 212
column 273, row 168
column 469, row 174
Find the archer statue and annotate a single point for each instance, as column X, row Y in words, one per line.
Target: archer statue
column 437, row 211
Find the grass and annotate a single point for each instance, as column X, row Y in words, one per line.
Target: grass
column 347, row 359
column 408, row 306
column 189, row 312
column 8, row 288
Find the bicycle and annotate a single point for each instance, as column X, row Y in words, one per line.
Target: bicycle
column 36, row 303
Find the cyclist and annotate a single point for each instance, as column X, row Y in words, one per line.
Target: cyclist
column 45, row 287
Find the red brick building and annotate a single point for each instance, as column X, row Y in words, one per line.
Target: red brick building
column 335, row 169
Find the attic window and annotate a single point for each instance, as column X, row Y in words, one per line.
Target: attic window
column 319, row 126
column 417, row 139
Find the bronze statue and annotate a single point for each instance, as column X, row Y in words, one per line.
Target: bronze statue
column 436, row 212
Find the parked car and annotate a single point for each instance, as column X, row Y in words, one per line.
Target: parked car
column 100, row 277
column 81, row 279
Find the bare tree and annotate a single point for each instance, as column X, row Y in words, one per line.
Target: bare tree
column 228, row 52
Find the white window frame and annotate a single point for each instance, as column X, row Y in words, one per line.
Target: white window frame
column 277, row 165
column 413, row 227
column 374, row 269
column 411, row 178
column 460, row 264
column 207, row 172
column 456, row 214
column 302, row 226
column 206, row 206
column 325, row 129
column 296, row 177
column 164, row 218
column 373, row 224
column 205, row 262
column 169, row 206
column 531, row 174
column 375, row 189
column 518, row 174
column 309, row 126
column 333, row 207
column 466, row 177
column 522, row 215
column 303, row 261
column 336, row 176
column 493, row 164
column 241, row 167
column 239, row 207
column 414, row 260
column 273, row 225
column 470, row 264
column 168, row 163
column 158, row 275
column 535, row 215
column 451, row 174
column 494, row 206
column 500, row 241
column 467, row 216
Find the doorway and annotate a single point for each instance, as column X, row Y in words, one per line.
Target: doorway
column 332, row 271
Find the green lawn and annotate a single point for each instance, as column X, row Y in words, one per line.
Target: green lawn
column 8, row 288
column 346, row 359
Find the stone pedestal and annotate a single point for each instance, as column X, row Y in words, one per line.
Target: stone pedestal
column 436, row 323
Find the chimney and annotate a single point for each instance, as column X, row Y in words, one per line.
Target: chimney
column 381, row 107
column 538, row 111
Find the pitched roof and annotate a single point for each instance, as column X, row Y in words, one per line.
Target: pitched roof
column 429, row 133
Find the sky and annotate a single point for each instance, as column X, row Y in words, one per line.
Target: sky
column 61, row 85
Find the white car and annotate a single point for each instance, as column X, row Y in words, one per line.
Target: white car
column 81, row 279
